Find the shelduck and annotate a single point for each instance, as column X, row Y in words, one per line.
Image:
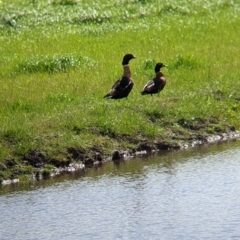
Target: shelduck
column 123, row 86
column 156, row 84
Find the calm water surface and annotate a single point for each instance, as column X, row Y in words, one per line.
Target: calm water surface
column 190, row 194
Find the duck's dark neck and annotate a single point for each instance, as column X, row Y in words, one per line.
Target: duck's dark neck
column 126, row 71
column 125, row 62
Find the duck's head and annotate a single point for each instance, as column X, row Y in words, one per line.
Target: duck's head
column 159, row 66
column 127, row 58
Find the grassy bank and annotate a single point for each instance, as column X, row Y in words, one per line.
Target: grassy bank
column 59, row 58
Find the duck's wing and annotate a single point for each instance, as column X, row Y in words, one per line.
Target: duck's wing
column 122, row 83
column 149, row 87
column 113, row 91
column 149, row 84
column 127, row 86
column 120, row 88
column 117, row 84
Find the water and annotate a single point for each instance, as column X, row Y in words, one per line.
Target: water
column 190, row 194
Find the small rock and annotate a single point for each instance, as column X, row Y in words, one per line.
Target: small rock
column 117, row 155
column 98, row 157
column 88, row 162
column 15, row 180
column 6, row 182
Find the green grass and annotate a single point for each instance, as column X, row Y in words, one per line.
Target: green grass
column 59, row 58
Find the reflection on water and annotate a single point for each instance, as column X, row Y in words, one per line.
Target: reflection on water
column 190, row 194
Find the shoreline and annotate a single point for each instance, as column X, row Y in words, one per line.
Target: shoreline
column 74, row 164
column 53, row 115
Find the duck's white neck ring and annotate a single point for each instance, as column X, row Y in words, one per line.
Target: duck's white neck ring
column 125, row 65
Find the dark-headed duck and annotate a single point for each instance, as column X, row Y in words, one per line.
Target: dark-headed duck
column 123, row 86
column 156, row 84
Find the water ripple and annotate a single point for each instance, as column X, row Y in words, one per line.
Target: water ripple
column 186, row 195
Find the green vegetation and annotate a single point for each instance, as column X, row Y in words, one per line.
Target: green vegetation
column 60, row 57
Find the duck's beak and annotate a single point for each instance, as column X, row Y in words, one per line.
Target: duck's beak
column 165, row 65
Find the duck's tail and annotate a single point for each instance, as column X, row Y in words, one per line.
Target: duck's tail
column 108, row 96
